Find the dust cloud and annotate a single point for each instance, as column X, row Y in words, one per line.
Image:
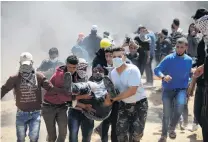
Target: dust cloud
column 37, row 26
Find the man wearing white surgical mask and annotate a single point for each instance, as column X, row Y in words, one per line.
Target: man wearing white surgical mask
column 48, row 66
column 133, row 103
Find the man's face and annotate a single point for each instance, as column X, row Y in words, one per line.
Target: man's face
column 53, row 56
column 132, row 49
column 97, row 74
column 181, row 48
column 109, row 58
column 142, row 31
column 71, row 68
column 119, row 54
column 192, row 28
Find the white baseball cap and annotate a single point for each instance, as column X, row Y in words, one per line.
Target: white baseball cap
column 94, row 28
column 26, row 58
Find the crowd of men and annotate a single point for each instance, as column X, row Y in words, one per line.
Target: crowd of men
column 182, row 64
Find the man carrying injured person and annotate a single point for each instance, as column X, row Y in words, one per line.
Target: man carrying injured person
column 96, row 87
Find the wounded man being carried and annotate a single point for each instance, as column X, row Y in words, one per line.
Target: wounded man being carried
column 98, row 86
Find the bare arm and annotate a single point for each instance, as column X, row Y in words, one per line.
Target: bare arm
column 128, row 93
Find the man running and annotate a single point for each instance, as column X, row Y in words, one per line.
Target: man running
column 27, row 85
column 174, row 70
column 132, row 112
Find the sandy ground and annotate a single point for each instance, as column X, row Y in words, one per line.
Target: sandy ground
column 151, row 134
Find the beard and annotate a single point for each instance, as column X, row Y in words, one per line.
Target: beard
column 180, row 54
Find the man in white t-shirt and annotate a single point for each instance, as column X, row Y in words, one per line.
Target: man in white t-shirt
column 133, row 105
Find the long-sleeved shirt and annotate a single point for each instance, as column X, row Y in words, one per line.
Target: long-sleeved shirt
column 28, row 98
column 179, row 68
column 193, row 42
column 152, row 36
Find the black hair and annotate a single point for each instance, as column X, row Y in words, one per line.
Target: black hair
column 192, row 24
column 72, row 59
column 176, row 22
column 116, row 49
column 53, row 50
column 108, row 50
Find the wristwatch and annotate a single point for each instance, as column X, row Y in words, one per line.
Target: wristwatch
column 163, row 77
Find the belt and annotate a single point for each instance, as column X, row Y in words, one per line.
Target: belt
column 178, row 89
column 19, row 110
column 53, row 105
column 134, row 103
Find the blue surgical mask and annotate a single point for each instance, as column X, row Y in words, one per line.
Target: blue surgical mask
column 117, row 62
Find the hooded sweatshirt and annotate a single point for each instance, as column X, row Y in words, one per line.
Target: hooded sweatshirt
column 58, row 81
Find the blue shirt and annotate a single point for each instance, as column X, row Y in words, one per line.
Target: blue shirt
column 179, row 68
column 152, row 36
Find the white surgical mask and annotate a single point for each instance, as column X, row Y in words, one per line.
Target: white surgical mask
column 117, row 62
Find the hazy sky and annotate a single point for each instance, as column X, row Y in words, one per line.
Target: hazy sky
column 37, row 26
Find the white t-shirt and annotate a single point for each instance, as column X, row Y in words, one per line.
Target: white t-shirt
column 131, row 76
column 98, row 88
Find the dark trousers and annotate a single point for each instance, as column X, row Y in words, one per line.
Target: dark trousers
column 148, row 71
column 131, row 121
column 142, row 64
column 111, row 120
column 76, row 119
column 51, row 116
column 201, row 110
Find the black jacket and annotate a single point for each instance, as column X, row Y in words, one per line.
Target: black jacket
column 200, row 61
column 91, row 44
column 144, row 47
column 100, row 60
column 134, row 58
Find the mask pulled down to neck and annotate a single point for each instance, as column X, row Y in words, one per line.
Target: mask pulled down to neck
column 117, row 62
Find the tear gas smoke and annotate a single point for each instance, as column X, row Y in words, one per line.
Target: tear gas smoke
column 37, row 26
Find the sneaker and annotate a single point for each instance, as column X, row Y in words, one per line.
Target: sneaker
column 163, row 139
column 172, row 134
column 183, row 126
column 110, row 87
column 193, row 128
column 68, row 81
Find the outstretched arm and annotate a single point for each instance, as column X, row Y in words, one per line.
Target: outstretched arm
column 8, row 86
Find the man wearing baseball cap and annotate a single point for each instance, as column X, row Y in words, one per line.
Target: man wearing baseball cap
column 27, row 85
column 91, row 43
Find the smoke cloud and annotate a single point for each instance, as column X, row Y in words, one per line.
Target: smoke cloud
column 37, row 26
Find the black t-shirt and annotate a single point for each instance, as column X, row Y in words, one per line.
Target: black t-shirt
column 144, row 47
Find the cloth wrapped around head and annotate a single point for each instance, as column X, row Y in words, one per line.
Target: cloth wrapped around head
column 82, row 68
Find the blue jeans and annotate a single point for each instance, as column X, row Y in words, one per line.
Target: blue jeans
column 76, row 119
column 25, row 120
column 168, row 97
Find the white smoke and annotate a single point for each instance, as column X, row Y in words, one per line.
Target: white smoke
column 37, row 26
